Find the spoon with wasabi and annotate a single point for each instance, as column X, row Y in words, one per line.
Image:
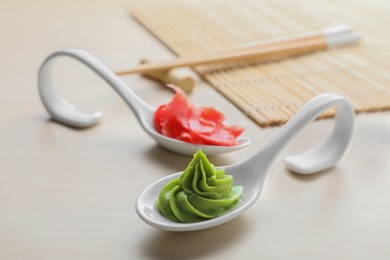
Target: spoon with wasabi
column 250, row 174
column 64, row 112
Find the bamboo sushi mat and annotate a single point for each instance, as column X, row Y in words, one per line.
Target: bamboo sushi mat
column 271, row 92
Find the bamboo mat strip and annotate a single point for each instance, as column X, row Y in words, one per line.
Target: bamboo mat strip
column 271, row 92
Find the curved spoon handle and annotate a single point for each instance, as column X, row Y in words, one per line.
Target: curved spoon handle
column 329, row 152
column 64, row 112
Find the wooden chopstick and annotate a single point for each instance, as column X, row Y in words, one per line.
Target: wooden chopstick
column 267, row 50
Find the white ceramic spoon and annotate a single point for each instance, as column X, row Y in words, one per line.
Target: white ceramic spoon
column 62, row 111
column 251, row 173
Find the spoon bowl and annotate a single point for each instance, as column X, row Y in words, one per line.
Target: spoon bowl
column 63, row 112
column 251, row 173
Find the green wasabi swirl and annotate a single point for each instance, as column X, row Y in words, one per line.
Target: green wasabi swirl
column 200, row 193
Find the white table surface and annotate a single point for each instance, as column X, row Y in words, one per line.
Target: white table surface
column 70, row 194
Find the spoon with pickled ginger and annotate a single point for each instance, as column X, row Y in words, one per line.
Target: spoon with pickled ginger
column 62, row 111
